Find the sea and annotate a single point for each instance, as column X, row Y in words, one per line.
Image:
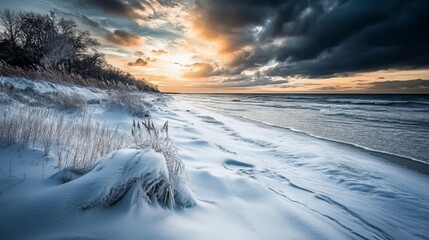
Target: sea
column 393, row 124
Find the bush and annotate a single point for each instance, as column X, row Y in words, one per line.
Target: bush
column 139, row 174
column 150, row 173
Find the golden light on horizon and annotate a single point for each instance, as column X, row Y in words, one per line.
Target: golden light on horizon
column 202, row 55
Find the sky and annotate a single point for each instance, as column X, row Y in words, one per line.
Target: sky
column 276, row 46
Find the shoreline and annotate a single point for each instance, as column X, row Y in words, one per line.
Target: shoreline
column 248, row 178
column 407, row 162
column 410, row 163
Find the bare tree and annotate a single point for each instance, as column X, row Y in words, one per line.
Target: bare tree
column 35, row 41
column 10, row 22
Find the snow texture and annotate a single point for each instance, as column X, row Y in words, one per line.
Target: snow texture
column 142, row 173
column 249, row 181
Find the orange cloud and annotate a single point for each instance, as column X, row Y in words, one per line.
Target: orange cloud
column 159, row 52
column 198, row 70
column 139, row 54
column 227, row 38
column 139, row 62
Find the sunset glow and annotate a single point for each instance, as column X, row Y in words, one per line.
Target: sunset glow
column 254, row 46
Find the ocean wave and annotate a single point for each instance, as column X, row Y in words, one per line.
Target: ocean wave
column 412, row 120
column 377, row 102
column 413, row 163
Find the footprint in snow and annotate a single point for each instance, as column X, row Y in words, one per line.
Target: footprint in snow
column 234, row 164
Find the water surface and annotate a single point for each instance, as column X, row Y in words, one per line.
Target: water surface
column 396, row 124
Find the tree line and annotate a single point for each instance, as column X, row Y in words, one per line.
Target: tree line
column 32, row 40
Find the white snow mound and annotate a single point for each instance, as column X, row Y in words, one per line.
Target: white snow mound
column 141, row 173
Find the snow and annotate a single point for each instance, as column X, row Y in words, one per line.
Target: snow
column 44, row 87
column 250, row 181
column 142, row 173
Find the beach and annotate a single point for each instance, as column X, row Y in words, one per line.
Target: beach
column 250, row 181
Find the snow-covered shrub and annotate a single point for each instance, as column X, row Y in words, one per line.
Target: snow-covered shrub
column 150, row 172
column 146, row 136
column 69, row 102
column 133, row 176
column 134, row 103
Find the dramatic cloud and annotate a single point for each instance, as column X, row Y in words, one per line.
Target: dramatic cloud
column 123, row 38
column 258, row 44
column 139, row 62
column 245, row 81
column 118, row 37
column 114, row 7
column 199, row 70
column 401, row 85
column 319, row 38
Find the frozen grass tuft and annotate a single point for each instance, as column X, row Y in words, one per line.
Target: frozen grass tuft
column 150, row 172
column 134, row 103
column 146, row 136
column 91, row 156
column 69, row 102
column 75, row 140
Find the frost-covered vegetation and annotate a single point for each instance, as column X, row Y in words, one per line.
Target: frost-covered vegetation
column 147, row 136
column 37, row 46
column 101, row 164
column 134, row 103
column 71, row 102
column 74, row 140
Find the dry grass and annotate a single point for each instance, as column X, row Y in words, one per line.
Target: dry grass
column 146, row 135
column 70, row 102
column 134, row 103
column 76, row 141
column 55, row 76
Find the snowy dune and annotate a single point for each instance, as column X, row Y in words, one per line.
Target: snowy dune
column 250, row 181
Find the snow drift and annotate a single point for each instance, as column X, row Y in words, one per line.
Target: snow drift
column 141, row 174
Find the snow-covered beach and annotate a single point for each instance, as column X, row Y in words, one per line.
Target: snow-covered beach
column 249, row 180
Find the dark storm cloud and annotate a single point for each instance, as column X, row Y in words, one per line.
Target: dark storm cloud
column 113, row 7
column 119, row 37
column 401, row 85
column 321, row 38
column 123, row 38
column 244, row 81
column 169, row 3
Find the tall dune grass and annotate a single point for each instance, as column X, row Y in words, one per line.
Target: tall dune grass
column 134, row 103
column 70, row 102
column 49, row 74
column 75, row 140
